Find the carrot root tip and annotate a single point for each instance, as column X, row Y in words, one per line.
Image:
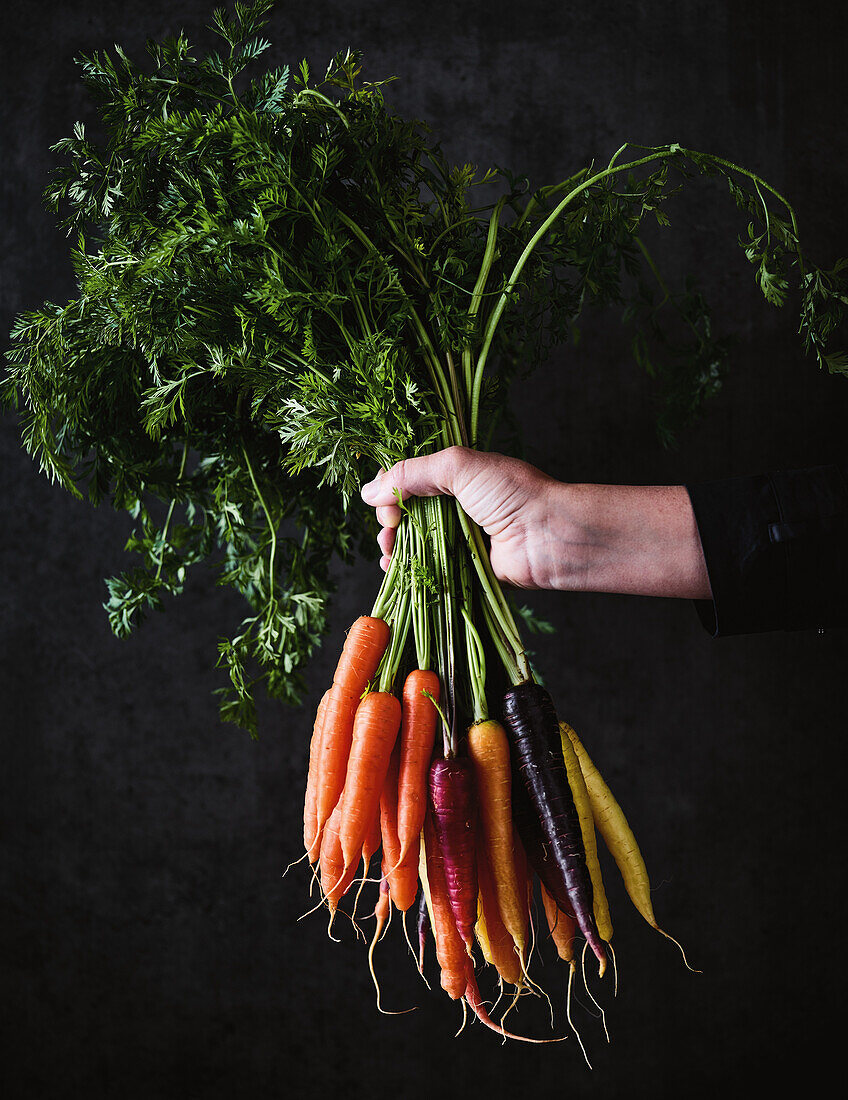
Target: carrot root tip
column 678, row 945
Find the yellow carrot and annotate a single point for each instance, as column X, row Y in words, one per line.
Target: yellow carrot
column 619, row 839
column 587, row 828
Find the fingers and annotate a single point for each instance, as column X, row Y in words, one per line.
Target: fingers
column 386, row 540
column 388, row 515
column 429, row 475
column 426, row 476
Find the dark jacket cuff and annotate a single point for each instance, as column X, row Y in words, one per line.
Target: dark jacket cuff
column 776, row 550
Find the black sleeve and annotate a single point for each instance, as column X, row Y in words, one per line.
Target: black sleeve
column 776, row 549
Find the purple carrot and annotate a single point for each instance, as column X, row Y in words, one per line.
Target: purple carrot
column 453, row 805
column 534, row 728
column 538, row 855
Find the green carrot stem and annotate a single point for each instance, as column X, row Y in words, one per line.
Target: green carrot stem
column 164, row 534
column 492, row 592
column 477, row 293
column 476, row 667
column 447, row 748
column 497, row 311
column 505, row 651
column 420, row 618
column 271, row 527
column 397, row 642
column 386, row 594
column 448, row 676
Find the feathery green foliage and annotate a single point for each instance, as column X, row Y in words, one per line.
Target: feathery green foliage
column 282, row 284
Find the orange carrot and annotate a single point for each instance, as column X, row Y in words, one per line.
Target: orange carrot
column 372, row 841
column 381, row 915
column 311, row 834
column 453, row 959
column 335, row 877
column 563, row 927
column 489, row 749
column 417, row 737
column 402, row 874
column 522, row 873
column 375, row 730
column 335, row 749
column 500, row 939
column 364, row 646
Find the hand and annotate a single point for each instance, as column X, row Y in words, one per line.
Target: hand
column 545, row 533
column 508, row 498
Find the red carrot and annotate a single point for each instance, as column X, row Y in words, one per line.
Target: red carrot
column 451, row 953
column 454, row 812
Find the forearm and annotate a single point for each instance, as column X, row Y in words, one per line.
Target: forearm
column 639, row 540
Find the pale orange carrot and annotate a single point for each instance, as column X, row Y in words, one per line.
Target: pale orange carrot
column 335, row 749
column 489, row 749
column 311, row 833
column 562, row 925
column 501, row 944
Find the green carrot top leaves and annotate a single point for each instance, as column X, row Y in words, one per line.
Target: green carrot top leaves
column 282, row 285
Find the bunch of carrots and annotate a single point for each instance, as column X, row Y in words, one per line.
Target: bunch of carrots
column 464, row 827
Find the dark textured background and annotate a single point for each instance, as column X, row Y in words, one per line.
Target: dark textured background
column 150, row 947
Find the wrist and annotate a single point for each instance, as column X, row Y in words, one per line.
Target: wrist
column 639, row 540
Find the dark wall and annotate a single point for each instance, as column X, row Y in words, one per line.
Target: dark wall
column 151, row 948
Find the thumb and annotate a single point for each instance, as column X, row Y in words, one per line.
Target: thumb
column 426, row 476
